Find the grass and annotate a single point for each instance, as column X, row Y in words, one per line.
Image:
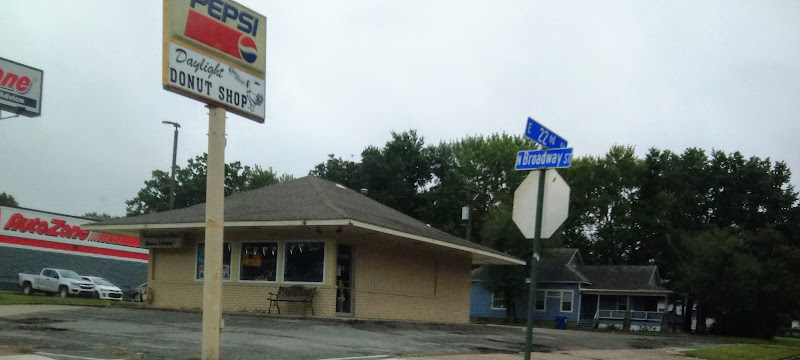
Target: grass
column 39, row 299
column 778, row 348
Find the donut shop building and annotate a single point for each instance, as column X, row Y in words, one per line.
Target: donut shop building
column 364, row 260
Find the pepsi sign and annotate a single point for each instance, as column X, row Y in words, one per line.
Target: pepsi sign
column 20, row 88
column 221, row 30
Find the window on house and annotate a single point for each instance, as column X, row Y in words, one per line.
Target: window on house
column 304, row 261
column 540, row 301
column 566, row 301
column 498, row 301
column 259, row 261
column 201, row 260
column 554, row 294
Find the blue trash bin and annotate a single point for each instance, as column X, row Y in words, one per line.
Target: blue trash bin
column 561, row 322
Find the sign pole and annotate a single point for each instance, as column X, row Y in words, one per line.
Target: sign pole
column 534, row 264
column 215, row 201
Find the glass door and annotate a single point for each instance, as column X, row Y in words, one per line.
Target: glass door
column 344, row 280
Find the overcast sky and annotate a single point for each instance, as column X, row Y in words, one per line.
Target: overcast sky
column 342, row 74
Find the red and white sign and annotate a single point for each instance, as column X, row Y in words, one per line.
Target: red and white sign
column 22, row 228
column 20, row 88
column 215, row 51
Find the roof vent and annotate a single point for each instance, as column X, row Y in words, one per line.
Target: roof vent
column 340, row 186
column 364, row 191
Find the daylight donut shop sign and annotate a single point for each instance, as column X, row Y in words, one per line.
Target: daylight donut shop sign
column 20, row 88
column 215, row 52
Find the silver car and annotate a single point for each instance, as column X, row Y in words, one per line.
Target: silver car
column 103, row 289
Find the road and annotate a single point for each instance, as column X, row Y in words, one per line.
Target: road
column 121, row 332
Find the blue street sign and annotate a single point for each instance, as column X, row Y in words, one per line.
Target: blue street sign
column 537, row 159
column 542, row 135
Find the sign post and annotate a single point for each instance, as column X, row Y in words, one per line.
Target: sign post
column 559, row 156
column 534, row 267
column 215, row 52
column 215, row 195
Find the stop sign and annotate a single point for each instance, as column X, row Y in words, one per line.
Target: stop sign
column 555, row 208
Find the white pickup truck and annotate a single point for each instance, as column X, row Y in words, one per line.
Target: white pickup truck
column 55, row 281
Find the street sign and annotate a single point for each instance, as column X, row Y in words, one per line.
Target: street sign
column 537, row 159
column 555, row 206
column 544, row 136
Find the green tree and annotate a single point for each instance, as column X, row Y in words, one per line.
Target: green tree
column 257, row 177
column 475, row 171
column 190, row 186
column 394, row 174
column 8, row 200
column 718, row 270
column 338, row 170
column 604, row 191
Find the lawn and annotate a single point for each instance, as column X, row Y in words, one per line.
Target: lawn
column 778, row 348
column 15, row 299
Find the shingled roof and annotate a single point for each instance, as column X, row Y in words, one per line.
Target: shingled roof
column 305, row 201
column 621, row 278
column 554, row 267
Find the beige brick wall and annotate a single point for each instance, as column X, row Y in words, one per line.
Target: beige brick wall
column 410, row 283
column 394, row 279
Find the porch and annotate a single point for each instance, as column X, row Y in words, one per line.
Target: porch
column 628, row 312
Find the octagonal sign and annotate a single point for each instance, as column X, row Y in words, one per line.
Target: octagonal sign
column 555, row 207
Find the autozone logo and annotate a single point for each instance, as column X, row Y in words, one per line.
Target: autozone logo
column 216, row 29
column 12, row 81
column 59, row 227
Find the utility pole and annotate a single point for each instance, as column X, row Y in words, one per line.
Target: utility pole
column 174, row 155
column 466, row 212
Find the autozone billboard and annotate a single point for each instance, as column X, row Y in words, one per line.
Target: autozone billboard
column 215, row 51
column 20, row 88
column 30, row 229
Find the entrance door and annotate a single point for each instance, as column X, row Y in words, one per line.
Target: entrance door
column 344, row 280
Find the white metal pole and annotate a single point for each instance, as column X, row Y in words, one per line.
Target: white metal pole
column 215, row 201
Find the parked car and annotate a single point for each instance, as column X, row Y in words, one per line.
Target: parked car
column 103, row 289
column 55, row 281
column 138, row 294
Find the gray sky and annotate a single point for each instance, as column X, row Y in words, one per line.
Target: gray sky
column 342, row 74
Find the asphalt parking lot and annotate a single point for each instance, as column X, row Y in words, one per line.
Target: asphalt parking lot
column 122, row 332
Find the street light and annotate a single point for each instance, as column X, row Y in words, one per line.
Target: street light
column 174, row 154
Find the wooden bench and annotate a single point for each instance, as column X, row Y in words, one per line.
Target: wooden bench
column 294, row 293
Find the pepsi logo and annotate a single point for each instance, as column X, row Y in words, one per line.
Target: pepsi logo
column 248, row 49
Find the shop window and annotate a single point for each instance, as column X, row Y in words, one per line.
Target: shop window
column 201, row 260
column 304, row 262
column 540, row 301
column 259, row 261
column 566, row 301
column 498, row 302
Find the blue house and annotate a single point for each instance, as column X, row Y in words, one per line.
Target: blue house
column 590, row 295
